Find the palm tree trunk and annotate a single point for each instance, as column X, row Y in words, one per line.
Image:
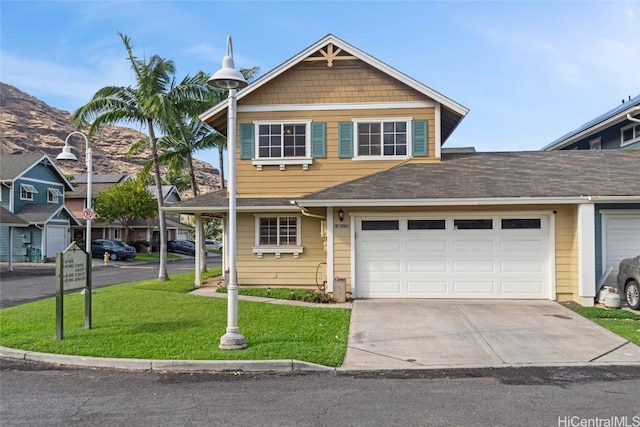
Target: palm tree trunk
column 221, row 169
column 162, row 226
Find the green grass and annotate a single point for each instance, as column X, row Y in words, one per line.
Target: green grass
column 159, row 320
column 621, row 322
column 152, row 257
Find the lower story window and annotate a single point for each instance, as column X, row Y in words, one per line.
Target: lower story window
column 278, row 234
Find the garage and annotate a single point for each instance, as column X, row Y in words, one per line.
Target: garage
column 56, row 240
column 621, row 239
column 453, row 256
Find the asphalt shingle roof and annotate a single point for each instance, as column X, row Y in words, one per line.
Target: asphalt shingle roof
column 9, row 219
column 500, row 175
column 218, row 200
column 12, row 165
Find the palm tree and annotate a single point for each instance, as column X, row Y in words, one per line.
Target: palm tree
column 155, row 103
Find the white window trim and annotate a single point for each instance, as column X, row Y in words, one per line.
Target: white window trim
column 283, row 162
column 29, row 189
column 595, row 144
column 408, row 120
column 636, row 134
column 278, row 250
column 53, row 195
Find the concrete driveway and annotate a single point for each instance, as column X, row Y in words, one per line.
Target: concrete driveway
column 415, row 334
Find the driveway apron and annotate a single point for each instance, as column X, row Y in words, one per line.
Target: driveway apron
column 414, row 334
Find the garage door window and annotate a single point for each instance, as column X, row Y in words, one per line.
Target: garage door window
column 381, row 225
column 426, row 224
column 520, row 224
column 472, row 224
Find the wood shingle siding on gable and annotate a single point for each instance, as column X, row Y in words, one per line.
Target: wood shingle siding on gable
column 347, row 81
column 325, row 171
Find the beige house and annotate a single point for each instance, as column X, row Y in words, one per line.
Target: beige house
column 340, row 173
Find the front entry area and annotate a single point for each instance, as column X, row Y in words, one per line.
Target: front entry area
column 454, row 256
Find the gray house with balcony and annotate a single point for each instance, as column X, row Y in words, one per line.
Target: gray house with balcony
column 35, row 224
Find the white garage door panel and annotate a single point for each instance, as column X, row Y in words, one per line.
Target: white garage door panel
column 521, row 265
column 452, row 263
column 622, row 238
column 56, row 240
column 521, row 288
column 426, row 288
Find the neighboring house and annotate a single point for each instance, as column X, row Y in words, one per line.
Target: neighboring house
column 615, row 129
column 617, row 226
column 141, row 230
column 340, row 173
column 33, row 190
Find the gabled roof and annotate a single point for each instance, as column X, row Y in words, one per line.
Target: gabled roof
column 474, row 177
column 167, row 190
column 9, row 219
column 452, row 112
column 41, row 214
column 14, row 166
column 598, row 124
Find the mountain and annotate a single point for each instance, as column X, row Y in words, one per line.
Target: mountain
column 29, row 125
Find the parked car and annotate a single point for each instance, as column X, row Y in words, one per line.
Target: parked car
column 212, row 242
column 181, row 247
column 629, row 281
column 117, row 250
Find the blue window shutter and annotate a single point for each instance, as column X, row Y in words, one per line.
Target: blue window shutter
column 247, row 141
column 345, row 140
column 420, row 137
column 318, row 140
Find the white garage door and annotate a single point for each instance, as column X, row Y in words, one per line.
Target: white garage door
column 621, row 237
column 56, row 240
column 452, row 257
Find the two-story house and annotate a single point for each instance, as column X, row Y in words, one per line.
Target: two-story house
column 617, row 226
column 618, row 128
column 32, row 188
column 340, row 173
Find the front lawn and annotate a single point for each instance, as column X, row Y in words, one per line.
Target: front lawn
column 621, row 322
column 160, row 320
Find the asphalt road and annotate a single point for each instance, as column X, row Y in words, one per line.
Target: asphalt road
column 33, row 285
column 35, row 394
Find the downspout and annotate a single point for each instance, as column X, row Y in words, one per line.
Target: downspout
column 304, row 212
column 633, row 119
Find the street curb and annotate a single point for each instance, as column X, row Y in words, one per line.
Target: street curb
column 286, row 365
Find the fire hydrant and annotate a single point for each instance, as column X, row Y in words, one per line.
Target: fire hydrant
column 106, row 258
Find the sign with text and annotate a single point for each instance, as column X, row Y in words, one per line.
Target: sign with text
column 73, row 271
column 74, row 268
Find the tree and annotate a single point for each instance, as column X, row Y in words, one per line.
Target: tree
column 156, row 103
column 126, row 202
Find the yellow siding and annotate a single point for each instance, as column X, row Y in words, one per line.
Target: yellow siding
column 283, row 272
column 346, row 81
column 323, row 173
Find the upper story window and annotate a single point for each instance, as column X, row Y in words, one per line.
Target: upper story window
column 282, row 140
column 282, row 143
column 27, row 191
column 382, row 138
column 53, row 195
column 595, row 144
column 629, row 134
column 394, row 138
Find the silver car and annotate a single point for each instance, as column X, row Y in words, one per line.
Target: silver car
column 629, row 281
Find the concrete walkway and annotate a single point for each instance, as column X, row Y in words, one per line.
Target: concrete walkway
column 427, row 334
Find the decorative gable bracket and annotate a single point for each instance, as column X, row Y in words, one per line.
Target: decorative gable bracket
column 330, row 53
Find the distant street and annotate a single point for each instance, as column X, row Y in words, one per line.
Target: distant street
column 20, row 288
column 40, row 395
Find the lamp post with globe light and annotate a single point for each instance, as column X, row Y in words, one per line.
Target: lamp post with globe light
column 231, row 79
column 66, row 154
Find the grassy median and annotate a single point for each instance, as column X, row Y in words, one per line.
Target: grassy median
column 160, row 320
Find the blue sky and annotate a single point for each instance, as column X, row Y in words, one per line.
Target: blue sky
column 528, row 71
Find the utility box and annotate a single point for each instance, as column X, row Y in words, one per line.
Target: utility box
column 26, row 237
column 340, row 289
